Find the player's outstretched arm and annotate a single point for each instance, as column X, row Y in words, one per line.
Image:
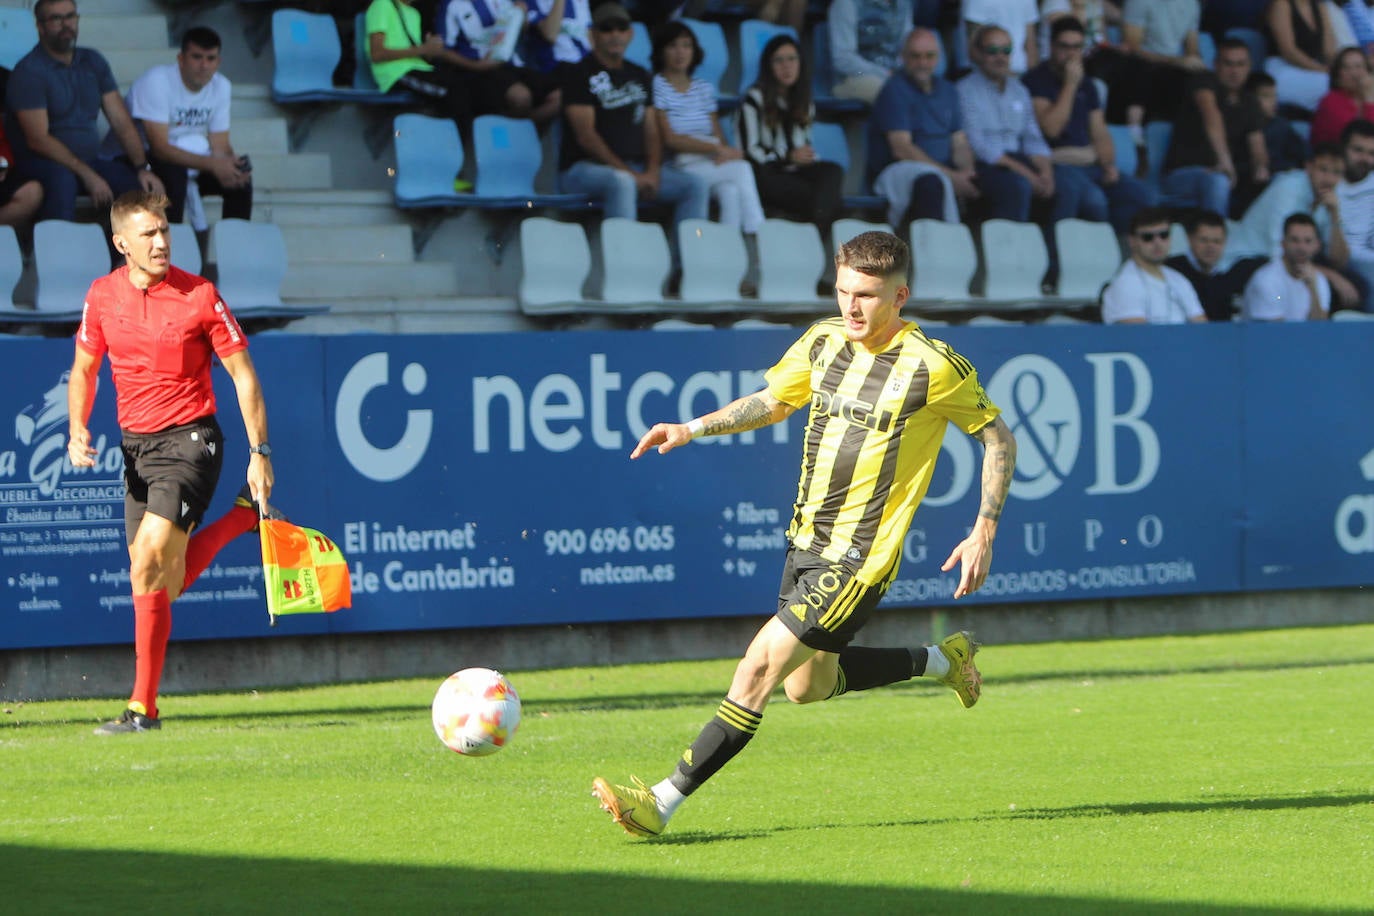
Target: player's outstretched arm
column 974, row 552
column 741, row 415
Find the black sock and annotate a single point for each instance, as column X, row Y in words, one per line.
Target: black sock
column 722, row 738
column 862, row 668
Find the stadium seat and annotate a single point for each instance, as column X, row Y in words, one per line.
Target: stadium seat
column 944, row 260
column 823, row 76
column 1158, row 134
column 1207, row 49
column 185, row 248
column 305, row 52
column 791, row 261
column 680, row 324
column 1178, row 239
column 641, row 47
column 635, row 262
column 1126, row 158
column 556, row 260
column 1014, row 260
column 1102, row 91
column 832, row 145
column 67, row 257
column 842, row 230
column 17, row 36
column 993, row 321
column 758, row 324
column 753, row 35
column 715, row 58
column 714, row 263
column 251, row 257
column 11, row 269
column 1089, row 255
column 509, row 155
column 1351, row 315
column 429, row 155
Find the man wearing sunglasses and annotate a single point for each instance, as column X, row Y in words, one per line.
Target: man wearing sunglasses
column 1144, row 291
column 612, row 150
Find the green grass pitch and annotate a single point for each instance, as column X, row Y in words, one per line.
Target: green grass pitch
column 1209, row 774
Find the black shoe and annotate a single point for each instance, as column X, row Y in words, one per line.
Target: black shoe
column 128, row 723
column 245, row 500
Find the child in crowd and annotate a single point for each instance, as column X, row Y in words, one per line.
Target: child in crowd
column 1287, row 148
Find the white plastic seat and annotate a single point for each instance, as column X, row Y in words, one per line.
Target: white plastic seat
column 1015, row 260
column 842, row 230
column 758, row 324
column 185, row 248
column 635, row 262
column 11, row 268
column 1089, row 255
column 252, row 264
column 556, row 260
column 680, row 324
column 992, row 321
column 944, row 259
column 714, row 262
column 791, row 261
column 1351, row 315
column 67, row 257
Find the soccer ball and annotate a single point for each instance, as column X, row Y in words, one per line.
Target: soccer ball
column 476, row 712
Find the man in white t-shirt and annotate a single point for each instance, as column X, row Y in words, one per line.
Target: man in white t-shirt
column 1144, row 291
column 183, row 112
column 1290, row 287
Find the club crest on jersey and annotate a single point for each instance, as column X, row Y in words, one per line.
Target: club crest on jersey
column 860, row 413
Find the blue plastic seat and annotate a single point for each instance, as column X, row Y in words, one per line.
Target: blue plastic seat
column 641, row 46
column 1206, row 47
column 715, row 57
column 305, row 52
column 832, row 146
column 429, row 154
column 1126, row 158
column 509, row 155
column 17, row 35
column 1158, row 135
column 753, row 35
column 252, row 265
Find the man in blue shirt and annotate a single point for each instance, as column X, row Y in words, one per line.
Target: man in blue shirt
column 1087, row 183
column 918, row 156
column 54, row 95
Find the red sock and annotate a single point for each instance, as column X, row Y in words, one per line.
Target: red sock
column 210, row 540
column 152, row 626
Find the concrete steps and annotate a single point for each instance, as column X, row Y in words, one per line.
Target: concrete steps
column 326, row 281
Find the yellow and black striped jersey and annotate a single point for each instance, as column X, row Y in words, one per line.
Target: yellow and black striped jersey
column 876, row 423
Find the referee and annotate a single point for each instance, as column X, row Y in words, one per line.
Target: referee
column 160, row 327
column 881, row 394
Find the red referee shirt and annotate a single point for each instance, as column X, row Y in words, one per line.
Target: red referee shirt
column 159, row 341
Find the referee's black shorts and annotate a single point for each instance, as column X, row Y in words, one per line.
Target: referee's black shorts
column 171, row 473
column 822, row 603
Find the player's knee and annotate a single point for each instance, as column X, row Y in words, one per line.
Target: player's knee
column 146, row 570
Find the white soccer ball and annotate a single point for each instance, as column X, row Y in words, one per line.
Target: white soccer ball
column 476, row 712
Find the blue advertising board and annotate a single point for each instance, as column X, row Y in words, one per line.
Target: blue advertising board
column 485, row 480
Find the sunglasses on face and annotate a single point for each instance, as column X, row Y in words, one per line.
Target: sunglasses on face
column 997, row 50
column 1157, row 235
column 614, row 25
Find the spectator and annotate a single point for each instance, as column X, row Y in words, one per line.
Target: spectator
column 918, row 155
column 403, row 58
column 560, row 32
column 1305, row 47
column 1019, row 18
column 1204, row 265
column 484, row 37
column 1144, row 290
column 791, row 13
column 183, row 111
column 866, row 41
column 1290, row 287
column 1012, row 158
column 1095, row 15
column 1286, row 148
column 54, row 95
column 1217, row 160
column 1147, row 73
column 1356, row 200
column 1087, row 183
column 687, row 121
column 612, row 146
column 20, row 197
column 1361, row 25
column 1351, row 96
column 775, row 131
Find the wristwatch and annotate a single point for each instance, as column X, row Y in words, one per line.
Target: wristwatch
column 262, row 448
column 145, row 167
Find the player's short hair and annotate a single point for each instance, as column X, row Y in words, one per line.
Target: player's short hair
column 1299, row 219
column 1149, row 216
column 1205, row 219
column 131, row 202
column 878, row 254
column 200, row 36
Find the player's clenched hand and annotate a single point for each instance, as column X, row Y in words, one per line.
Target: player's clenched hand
column 667, row 436
column 79, row 451
column 975, row 555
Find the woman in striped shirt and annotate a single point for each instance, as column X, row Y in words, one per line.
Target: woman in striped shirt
column 686, row 109
column 775, row 131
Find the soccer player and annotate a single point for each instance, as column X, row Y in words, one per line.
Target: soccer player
column 880, row 393
column 160, row 326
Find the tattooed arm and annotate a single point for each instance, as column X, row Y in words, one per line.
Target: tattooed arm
column 975, row 551
column 749, row 412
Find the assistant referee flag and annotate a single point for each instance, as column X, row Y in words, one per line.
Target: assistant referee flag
column 303, row 570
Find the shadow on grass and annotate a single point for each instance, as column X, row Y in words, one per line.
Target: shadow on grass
column 121, row 881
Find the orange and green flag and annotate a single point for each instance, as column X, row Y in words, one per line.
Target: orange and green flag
column 303, row 571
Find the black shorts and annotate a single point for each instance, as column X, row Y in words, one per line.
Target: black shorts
column 488, row 88
column 822, row 603
column 171, row 473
